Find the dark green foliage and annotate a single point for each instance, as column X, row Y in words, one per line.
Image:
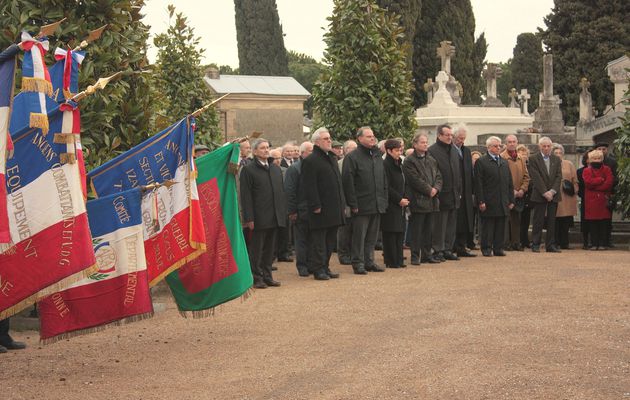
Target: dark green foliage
column 178, row 79
column 409, row 12
column 117, row 118
column 505, row 82
column 366, row 81
column 622, row 153
column 451, row 20
column 583, row 36
column 527, row 67
column 306, row 70
column 260, row 40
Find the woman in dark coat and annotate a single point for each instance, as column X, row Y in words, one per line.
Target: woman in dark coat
column 598, row 183
column 393, row 221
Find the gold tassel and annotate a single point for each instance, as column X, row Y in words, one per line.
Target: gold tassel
column 38, row 85
column 67, row 158
column 80, row 332
column 64, row 138
column 57, row 287
column 39, row 120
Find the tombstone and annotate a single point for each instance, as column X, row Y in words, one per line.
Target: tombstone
column 586, row 102
column 523, row 97
column 455, row 89
column 430, row 87
column 548, row 117
column 445, row 52
column 490, row 74
column 442, row 98
column 513, row 96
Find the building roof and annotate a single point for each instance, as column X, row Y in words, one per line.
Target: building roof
column 617, row 61
column 268, row 85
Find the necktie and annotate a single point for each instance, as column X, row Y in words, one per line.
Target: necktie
column 546, row 159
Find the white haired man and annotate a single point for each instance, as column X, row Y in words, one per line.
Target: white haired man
column 495, row 197
column 545, row 171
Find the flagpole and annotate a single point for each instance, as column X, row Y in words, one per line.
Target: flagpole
column 99, row 85
column 92, row 36
column 157, row 185
column 207, row 106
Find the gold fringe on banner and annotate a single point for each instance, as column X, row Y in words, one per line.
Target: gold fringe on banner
column 63, row 138
column 57, row 287
column 67, row 158
column 80, row 332
column 38, row 85
column 209, row 312
column 180, row 263
column 39, row 120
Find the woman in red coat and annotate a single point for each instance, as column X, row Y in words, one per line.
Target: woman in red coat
column 598, row 181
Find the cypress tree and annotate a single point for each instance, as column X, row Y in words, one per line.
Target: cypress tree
column 260, row 39
column 366, row 80
column 583, row 37
column 409, row 12
column 527, row 66
column 452, row 20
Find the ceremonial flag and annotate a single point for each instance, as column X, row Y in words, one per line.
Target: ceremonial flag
column 36, row 85
column 64, row 75
column 223, row 272
column 7, row 74
column 119, row 291
column 47, row 216
column 173, row 228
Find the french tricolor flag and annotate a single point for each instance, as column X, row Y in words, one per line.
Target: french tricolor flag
column 171, row 215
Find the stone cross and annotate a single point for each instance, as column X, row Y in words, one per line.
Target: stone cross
column 491, row 73
column 445, row 52
column 586, row 102
column 430, row 89
column 513, row 96
column 524, row 96
column 548, row 77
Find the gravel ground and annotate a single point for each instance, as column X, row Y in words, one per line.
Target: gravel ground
column 526, row 326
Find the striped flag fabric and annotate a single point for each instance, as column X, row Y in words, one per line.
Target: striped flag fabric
column 172, row 223
column 222, row 273
column 119, row 291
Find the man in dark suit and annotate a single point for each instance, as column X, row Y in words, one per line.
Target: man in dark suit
column 465, row 215
column 445, row 221
column 365, row 188
column 321, row 180
column 6, row 341
column 264, row 210
column 545, row 172
column 298, row 209
column 495, row 197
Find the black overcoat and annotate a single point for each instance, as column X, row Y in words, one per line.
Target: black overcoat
column 262, row 196
column 421, row 175
column 466, row 169
column 448, row 163
column 393, row 220
column 321, row 182
column 364, row 181
column 493, row 186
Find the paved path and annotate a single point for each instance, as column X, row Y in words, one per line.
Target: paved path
column 526, row 326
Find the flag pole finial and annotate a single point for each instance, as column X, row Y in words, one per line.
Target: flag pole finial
column 207, row 106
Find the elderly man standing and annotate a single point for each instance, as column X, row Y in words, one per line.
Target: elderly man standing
column 321, row 181
column 520, row 181
column 264, row 210
column 423, row 181
column 344, row 233
column 495, row 197
column 365, row 186
column 545, row 171
column 465, row 214
column 445, row 223
column 298, row 209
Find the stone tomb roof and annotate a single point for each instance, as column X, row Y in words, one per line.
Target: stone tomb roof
column 263, row 85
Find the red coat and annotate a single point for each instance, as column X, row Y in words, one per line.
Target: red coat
column 598, row 188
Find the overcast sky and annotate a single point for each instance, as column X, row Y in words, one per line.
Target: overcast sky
column 303, row 20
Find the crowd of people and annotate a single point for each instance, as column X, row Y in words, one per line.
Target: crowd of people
column 436, row 199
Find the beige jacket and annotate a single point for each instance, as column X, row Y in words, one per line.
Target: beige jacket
column 518, row 169
column 567, row 207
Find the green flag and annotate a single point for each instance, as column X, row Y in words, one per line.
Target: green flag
column 222, row 273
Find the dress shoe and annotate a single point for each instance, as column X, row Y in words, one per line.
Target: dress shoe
column 450, row 256
column 415, row 262
column 321, row 276
column 3, row 350
column 360, row 271
column 391, row 266
column 439, row 257
column 333, row 275
column 431, row 260
column 587, row 247
column 274, row 268
column 285, row 259
column 553, row 249
column 303, row 272
column 499, row 253
column 486, row 253
column 13, row 345
column 271, row 282
column 260, row 285
column 465, row 254
column 375, row 268
column 403, row 266
column 535, row 248
column 345, row 261
column 517, row 247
